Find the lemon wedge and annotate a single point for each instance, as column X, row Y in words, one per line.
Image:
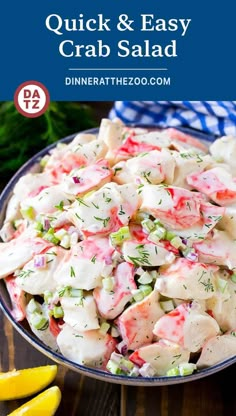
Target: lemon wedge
column 44, row 404
column 17, row 384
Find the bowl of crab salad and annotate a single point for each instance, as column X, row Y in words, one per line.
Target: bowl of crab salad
column 118, row 253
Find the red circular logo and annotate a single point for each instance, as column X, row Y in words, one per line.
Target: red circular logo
column 31, row 99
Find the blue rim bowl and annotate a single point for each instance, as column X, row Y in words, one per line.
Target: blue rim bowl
column 26, row 333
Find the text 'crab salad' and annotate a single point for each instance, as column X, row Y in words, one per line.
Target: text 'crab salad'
column 121, row 252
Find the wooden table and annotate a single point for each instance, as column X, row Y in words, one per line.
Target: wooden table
column 82, row 396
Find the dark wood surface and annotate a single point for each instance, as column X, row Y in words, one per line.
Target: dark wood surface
column 82, row 396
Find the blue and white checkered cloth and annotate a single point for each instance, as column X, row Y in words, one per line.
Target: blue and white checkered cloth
column 211, row 117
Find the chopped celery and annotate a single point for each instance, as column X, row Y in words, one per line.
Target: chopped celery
column 38, row 226
column 28, row 213
column 167, row 305
column 127, row 363
column 108, row 283
column 58, row 312
column 154, row 274
column 157, row 222
column 233, row 277
column 44, row 161
column 148, row 225
column 104, row 327
column 60, row 233
column 145, row 289
column 121, row 363
column 140, row 293
column 137, row 295
column 70, row 292
column 38, row 321
column 145, row 278
column 160, row 232
column 47, row 296
column 185, row 369
column 50, row 236
column 76, row 293
column 177, row 242
column 65, row 241
column 114, row 332
column 170, row 235
column 153, row 237
column 173, row 372
column 119, row 236
column 114, row 368
column 221, row 284
column 33, row 306
column 157, row 234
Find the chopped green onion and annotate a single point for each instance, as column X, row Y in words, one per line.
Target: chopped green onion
column 119, row 236
column 108, row 283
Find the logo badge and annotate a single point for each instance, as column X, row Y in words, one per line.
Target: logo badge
column 31, row 99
